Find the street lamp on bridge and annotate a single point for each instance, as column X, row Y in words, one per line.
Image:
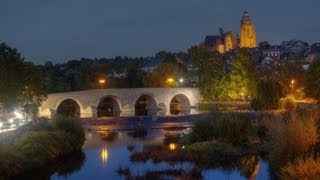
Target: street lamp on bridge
column 102, row 82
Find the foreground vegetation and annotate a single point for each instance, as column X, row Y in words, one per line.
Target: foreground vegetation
column 288, row 141
column 37, row 148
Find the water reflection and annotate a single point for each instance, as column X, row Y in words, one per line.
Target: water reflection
column 172, row 146
column 62, row 168
column 249, row 166
column 116, row 154
column 104, row 155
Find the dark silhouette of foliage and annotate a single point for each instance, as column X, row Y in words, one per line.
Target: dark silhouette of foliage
column 268, row 94
column 21, row 83
column 312, row 80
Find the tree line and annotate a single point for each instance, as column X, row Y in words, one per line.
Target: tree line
column 26, row 85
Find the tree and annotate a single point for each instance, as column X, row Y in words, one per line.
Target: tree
column 312, row 80
column 21, row 83
column 264, row 45
column 290, row 75
column 165, row 75
column 268, row 95
column 242, row 77
column 35, row 89
column 212, row 74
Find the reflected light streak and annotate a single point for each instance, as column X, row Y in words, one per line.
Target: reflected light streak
column 172, row 146
column 104, row 155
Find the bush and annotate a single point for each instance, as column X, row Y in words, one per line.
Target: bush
column 293, row 137
column 269, row 92
column 37, row 148
column 308, row 168
column 11, row 161
column 207, row 147
column 288, row 103
column 227, row 127
column 73, row 128
column 255, row 104
column 41, row 147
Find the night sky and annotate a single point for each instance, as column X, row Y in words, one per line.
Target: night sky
column 61, row 30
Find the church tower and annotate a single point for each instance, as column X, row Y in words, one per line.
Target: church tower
column 247, row 32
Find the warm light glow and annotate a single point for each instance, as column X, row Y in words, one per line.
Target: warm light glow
column 170, row 80
column 181, row 80
column 11, row 120
column 172, row 146
column 18, row 115
column 102, row 81
column 1, row 125
column 104, row 155
column 292, row 81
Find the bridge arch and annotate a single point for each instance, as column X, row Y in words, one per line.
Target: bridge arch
column 180, row 104
column 108, row 106
column 146, row 104
column 69, row 107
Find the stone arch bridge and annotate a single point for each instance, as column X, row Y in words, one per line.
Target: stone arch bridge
column 121, row 102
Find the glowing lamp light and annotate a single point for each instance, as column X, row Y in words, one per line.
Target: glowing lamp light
column 104, row 155
column 18, row 115
column 102, row 81
column 181, row 80
column 11, row 120
column 172, row 146
column 170, row 80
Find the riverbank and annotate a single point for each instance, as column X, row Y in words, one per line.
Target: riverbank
column 34, row 146
column 288, row 141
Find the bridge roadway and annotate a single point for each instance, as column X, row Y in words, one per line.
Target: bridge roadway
column 121, row 102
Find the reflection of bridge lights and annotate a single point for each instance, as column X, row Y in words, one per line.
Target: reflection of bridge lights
column 104, row 155
column 169, row 81
column 172, row 146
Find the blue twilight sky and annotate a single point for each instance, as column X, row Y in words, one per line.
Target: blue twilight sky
column 60, row 30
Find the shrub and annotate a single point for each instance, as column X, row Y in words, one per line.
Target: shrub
column 294, row 136
column 203, row 147
column 41, row 147
column 227, row 127
column 288, row 103
column 308, row 168
column 255, row 104
column 11, row 161
column 268, row 95
column 73, row 128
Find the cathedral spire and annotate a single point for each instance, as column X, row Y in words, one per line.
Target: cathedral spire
column 246, row 18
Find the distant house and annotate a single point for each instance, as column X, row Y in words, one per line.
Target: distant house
column 274, row 53
column 306, row 65
column 215, row 43
column 313, row 53
column 294, row 46
column 117, row 74
column 315, row 47
column 151, row 64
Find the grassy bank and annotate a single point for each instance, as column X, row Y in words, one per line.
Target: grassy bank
column 37, row 148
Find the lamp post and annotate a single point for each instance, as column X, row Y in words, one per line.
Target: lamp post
column 292, row 85
column 181, row 80
column 170, row 81
column 102, row 82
